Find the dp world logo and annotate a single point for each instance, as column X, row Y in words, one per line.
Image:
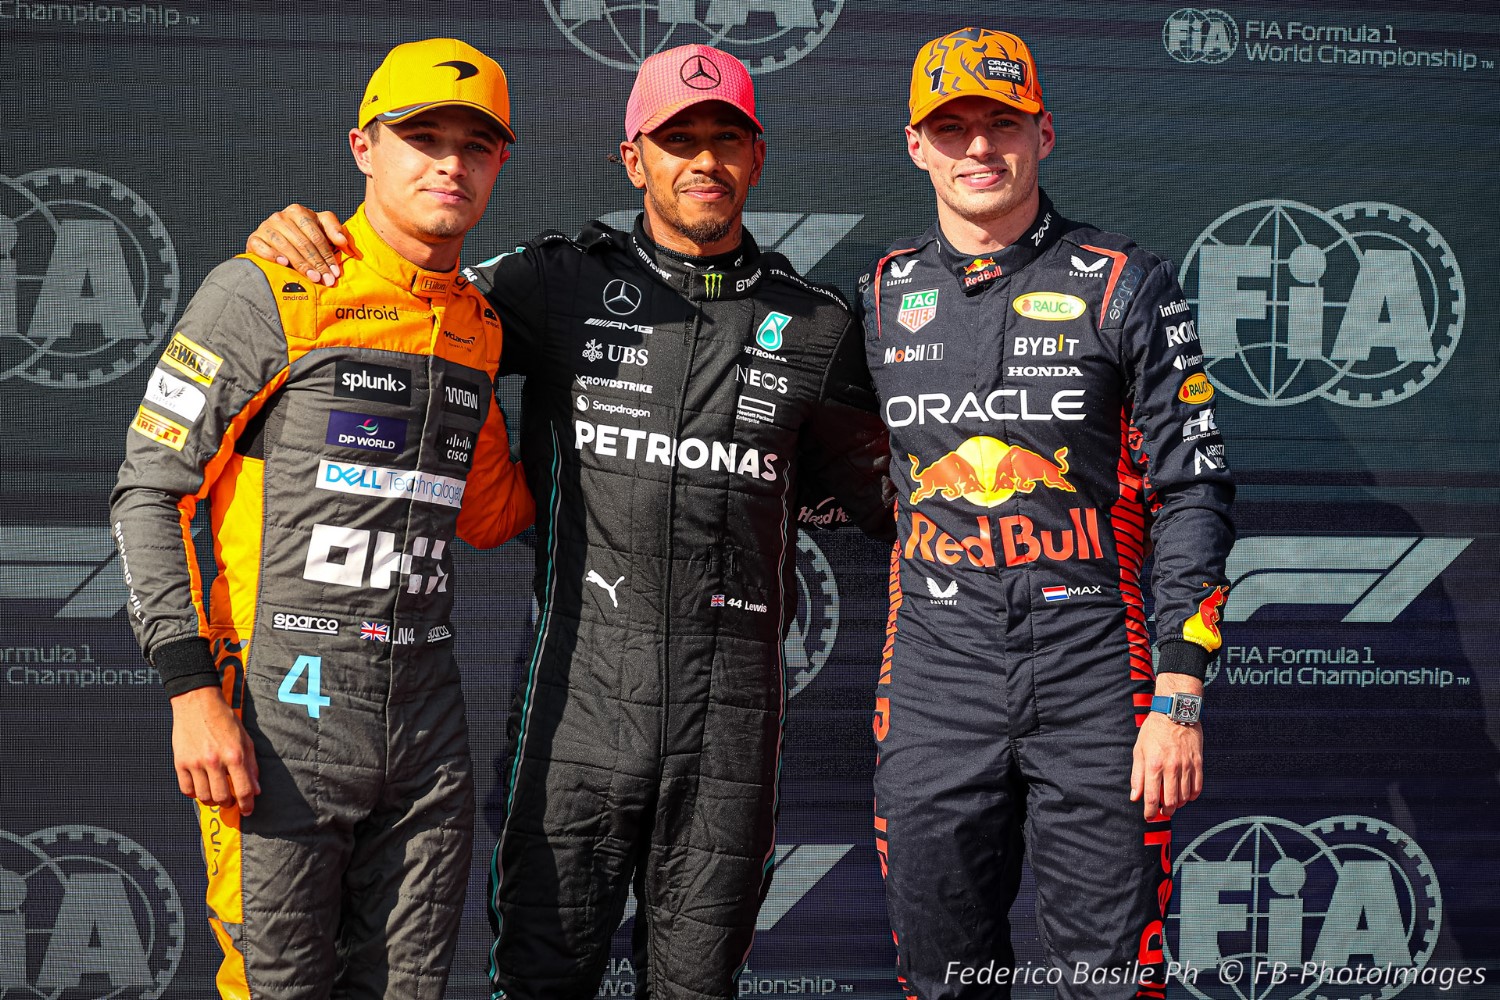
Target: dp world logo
column 85, row 913
column 1362, row 304
column 1200, row 35
column 88, row 279
column 765, row 35
column 1347, row 906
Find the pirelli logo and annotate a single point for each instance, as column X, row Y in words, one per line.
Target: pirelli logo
column 195, row 362
column 159, row 428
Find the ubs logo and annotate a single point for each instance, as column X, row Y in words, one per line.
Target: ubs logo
column 88, row 279
column 1361, row 305
column 87, row 911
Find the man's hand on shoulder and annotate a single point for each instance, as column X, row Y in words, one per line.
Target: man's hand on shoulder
column 299, row 238
column 213, row 754
column 1167, row 769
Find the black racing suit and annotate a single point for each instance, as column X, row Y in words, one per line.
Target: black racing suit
column 671, row 406
column 1050, row 422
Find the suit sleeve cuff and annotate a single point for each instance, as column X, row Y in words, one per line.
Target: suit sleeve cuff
column 185, row 665
column 1178, row 656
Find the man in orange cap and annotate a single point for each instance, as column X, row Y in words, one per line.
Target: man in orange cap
column 342, row 437
column 1020, row 709
column 682, row 385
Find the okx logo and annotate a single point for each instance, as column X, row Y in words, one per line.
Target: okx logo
column 85, row 912
column 88, row 279
column 1347, row 906
column 1361, row 305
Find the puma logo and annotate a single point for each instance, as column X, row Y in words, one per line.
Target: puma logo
column 594, row 578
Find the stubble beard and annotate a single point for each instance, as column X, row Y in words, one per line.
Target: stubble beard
column 703, row 232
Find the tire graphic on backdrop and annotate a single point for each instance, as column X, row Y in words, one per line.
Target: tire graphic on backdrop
column 85, row 914
column 1361, row 305
column 88, row 279
column 1347, row 906
column 766, row 35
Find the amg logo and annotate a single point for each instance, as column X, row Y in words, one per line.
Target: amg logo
column 914, row 352
column 614, row 324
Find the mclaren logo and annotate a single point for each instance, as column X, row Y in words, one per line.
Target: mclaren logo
column 465, row 69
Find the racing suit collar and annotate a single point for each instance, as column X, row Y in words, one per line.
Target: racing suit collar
column 365, row 244
column 734, row 275
column 975, row 273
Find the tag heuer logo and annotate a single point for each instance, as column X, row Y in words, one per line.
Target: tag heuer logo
column 918, row 309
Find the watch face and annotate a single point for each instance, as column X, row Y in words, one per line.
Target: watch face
column 1186, row 708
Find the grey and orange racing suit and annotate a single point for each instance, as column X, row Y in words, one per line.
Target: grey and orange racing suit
column 342, row 438
column 1050, row 422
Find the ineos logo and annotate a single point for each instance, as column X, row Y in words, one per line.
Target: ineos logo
column 621, row 297
column 700, row 73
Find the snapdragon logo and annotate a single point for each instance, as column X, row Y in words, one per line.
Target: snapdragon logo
column 1361, row 305
column 88, row 279
column 766, row 35
column 86, row 913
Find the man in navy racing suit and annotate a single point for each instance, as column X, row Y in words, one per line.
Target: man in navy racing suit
column 1050, row 424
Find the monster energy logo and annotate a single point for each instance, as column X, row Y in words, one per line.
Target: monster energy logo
column 713, row 284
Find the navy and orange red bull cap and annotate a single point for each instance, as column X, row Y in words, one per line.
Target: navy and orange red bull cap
column 974, row 62
column 433, row 73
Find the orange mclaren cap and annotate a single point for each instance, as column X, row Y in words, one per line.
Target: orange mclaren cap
column 432, row 73
column 978, row 62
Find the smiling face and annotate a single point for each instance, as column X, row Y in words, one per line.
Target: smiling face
column 428, row 180
column 982, row 158
column 697, row 169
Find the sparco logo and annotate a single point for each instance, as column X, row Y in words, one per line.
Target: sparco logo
column 88, row 279
column 304, row 623
column 1361, row 305
column 1342, row 907
column 87, row 913
column 766, row 34
column 1193, row 35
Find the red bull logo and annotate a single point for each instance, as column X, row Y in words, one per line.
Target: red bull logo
column 979, row 264
column 987, row 472
column 1021, row 541
column 1203, row 627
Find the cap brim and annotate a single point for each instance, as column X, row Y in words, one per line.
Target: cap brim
column 664, row 114
column 1019, row 103
column 401, row 114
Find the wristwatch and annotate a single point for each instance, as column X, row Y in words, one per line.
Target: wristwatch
column 1183, row 709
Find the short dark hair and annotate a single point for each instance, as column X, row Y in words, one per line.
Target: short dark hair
column 372, row 131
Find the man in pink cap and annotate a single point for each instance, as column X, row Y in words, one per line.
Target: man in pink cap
column 682, row 388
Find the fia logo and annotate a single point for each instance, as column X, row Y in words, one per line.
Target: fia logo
column 88, row 279
column 1361, row 305
column 1207, row 36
